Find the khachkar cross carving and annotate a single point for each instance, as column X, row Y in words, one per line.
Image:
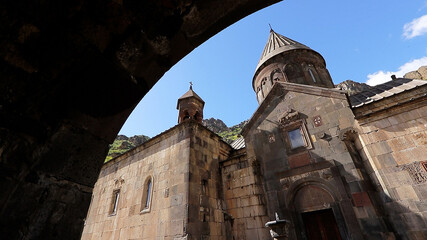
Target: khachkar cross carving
column 416, row 171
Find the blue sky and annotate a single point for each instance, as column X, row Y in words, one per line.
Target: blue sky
column 365, row 41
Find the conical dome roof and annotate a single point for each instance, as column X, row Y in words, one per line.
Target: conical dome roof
column 277, row 44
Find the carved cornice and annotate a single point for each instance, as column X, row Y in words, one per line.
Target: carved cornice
column 288, row 117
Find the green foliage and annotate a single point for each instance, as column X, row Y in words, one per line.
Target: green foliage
column 230, row 135
column 123, row 144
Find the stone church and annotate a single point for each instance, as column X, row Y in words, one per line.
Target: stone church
column 313, row 163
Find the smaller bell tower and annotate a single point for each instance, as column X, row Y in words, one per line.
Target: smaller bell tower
column 190, row 106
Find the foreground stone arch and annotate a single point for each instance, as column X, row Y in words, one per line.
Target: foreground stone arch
column 71, row 72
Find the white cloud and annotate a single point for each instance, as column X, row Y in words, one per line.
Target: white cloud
column 385, row 76
column 417, row 27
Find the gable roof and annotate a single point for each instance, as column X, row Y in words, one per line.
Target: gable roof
column 385, row 90
column 293, row 87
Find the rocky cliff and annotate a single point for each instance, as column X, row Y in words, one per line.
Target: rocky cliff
column 215, row 125
column 123, row 144
column 352, row 87
column 228, row 134
column 421, row 73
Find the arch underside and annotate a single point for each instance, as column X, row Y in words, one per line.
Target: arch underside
column 71, row 73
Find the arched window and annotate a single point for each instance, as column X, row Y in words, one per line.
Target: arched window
column 197, row 115
column 147, row 195
column 266, row 86
column 259, row 95
column 277, row 76
column 114, row 202
column 186, row 115
column 293, row 73
column 147, row 199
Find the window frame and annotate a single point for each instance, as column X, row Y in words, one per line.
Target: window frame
column 147, row 195
column 114, row 206
column 301, row 135
column 294, row 124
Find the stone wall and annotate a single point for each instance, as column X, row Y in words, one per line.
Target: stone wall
column 395, row 143
column 245, row 201
column 165, row 160
column 207, row 218
column 325, row 163
column 187, row 198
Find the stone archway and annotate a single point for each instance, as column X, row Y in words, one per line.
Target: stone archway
column 312, row 198
column 315, row 209
column 71, row 72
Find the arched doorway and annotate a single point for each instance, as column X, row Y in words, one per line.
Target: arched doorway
column 313, row 203
column 316, row 212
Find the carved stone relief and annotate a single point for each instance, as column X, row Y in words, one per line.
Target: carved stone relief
column 416, row 171
column 289, row 116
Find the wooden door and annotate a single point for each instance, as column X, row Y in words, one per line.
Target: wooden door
column 321, row 225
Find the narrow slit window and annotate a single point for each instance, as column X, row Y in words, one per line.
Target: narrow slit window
column 204, row 186
column 148, row 189
column 312, row 75
column 115, row 202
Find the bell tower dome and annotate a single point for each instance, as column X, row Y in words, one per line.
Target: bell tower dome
column 287, row 60
column 190, row 106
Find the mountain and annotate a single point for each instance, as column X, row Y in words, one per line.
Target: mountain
column 123, row 144
column 215, row 125
column 228, row 134
column 354, row 87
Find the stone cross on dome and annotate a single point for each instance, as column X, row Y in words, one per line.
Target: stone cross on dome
column 191, row 85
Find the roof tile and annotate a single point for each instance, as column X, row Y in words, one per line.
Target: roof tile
column 384, row 90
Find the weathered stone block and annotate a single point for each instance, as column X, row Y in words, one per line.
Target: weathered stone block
column 400, row 143
column 361, row 199
column 176, row 200
column 380, row 148
column 406, row 192
column 385, row 160
column 360, row 212
column 396, row 179
column 299, row 160
column 176, row 227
